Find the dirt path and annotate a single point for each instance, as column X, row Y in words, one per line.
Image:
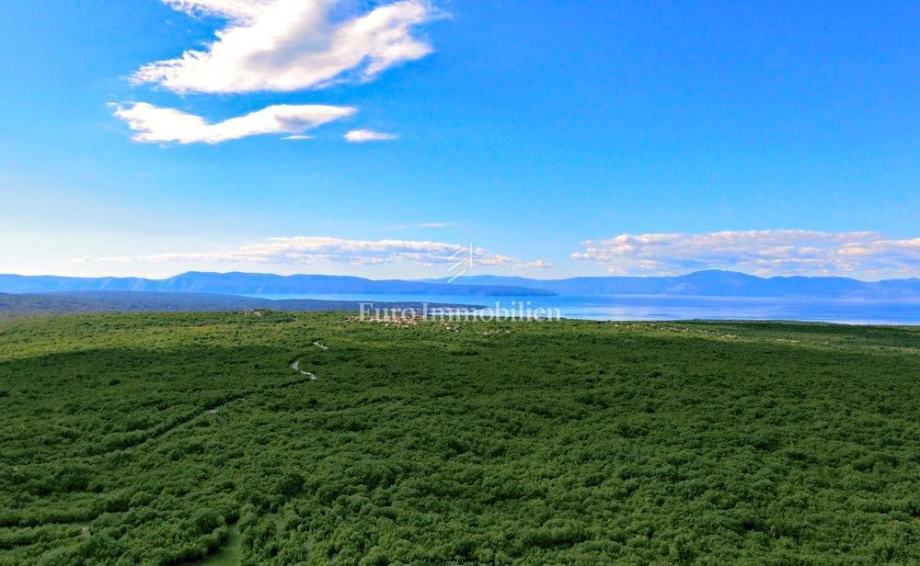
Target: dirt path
column 229, row 553
column 295, row 365
column 168, row 428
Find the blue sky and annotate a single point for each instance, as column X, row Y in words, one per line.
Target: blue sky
column 558, row 138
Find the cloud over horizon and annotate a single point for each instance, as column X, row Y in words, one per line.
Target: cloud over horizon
column 761, row 252
column 291, row 45
column 152, row 124
column 436, row 225
column 315, row 249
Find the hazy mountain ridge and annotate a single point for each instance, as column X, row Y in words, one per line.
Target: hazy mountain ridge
column 256, row 284
column 701, row 283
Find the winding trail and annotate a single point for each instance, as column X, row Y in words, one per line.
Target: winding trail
column 168, row 428
column 158, row 433
column 229, row 552
column 295, row 365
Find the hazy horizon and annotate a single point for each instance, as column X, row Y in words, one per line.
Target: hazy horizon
column 459, row 278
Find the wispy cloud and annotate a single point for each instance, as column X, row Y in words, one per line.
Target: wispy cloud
column 153, row 124
column 436, row 225
column 316, row 249
column 535, row 264
column 235, row 9
column 290, row 45
column 364, row 136
column 424, row 226
column 764, row 252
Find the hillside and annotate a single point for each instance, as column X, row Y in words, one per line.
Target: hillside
column 140, row 301
column 164, row 439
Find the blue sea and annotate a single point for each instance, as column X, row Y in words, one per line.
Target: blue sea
column 658, row 307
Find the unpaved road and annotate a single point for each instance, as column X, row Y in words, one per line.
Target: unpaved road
column 295, row 365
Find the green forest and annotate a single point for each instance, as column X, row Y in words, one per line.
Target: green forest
column 279, row 438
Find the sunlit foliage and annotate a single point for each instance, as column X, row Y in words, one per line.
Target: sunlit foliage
column 156, row 438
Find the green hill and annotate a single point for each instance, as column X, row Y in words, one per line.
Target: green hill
column 159, row 439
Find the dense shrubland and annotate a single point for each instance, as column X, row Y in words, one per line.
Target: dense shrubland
column 156, row 438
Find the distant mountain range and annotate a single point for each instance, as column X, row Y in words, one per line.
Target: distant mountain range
column 256, row 284
column 702, row 283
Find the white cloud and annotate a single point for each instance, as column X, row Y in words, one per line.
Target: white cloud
column 234, row 9
column 363, row 136
column 313, row 249
column 290, row 254
column 436, row 225
column 153, row 124
column 764, row 252
column 289, row 45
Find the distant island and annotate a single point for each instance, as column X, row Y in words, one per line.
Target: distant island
column 715, row 283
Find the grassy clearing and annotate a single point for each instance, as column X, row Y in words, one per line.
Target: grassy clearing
column 570, row 442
